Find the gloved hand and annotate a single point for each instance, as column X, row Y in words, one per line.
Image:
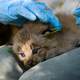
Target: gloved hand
column 76, row 13
column 18, row 11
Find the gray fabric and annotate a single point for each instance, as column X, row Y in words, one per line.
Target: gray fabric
column 9, row 69
column 64, row 67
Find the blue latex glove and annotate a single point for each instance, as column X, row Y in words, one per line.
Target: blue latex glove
column 76, row 13
column 18, row 11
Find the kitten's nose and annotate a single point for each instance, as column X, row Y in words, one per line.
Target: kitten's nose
column 22, row 54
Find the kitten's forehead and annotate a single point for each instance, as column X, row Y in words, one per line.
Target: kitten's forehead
column 35, row 23
column 36, row 27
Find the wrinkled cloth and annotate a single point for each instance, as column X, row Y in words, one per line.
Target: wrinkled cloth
column 76, row 13
column 19, row 11
column 9, row 68
column 63, row 67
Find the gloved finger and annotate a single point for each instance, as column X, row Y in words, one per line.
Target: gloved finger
column 77, row 20
column 45, row 14
column 53, row 20
column 76, row 12
column 5, row 18
column 27, row 14
column 38, row 10
column 19, row 22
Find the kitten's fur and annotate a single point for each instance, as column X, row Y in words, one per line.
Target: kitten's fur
column 30, row 39
column 27, row 39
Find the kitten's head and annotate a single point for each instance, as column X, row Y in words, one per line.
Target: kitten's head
column 22, row 45
column 27, row 42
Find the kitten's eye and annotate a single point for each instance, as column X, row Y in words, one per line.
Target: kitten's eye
column 35, row 50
